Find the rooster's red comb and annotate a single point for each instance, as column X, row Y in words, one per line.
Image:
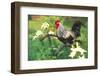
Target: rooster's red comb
column 57, row 21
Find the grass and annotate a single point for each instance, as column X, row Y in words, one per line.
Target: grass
column 42, row 50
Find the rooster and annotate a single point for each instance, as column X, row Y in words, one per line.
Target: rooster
column 68, row 37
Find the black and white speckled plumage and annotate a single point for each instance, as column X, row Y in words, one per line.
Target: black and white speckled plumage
column 68, row 36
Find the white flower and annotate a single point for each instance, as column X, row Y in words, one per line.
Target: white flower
column 37, row 34
column 79, row 49
column 81, row 57
column 75, row 50
column 72, row 54
column 51, row 32
column 44, row 26
column 34, row 37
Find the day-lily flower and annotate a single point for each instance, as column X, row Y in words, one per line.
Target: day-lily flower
column 37, row 34
column 44, row 26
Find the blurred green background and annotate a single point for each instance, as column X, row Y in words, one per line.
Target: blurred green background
column 42, row 50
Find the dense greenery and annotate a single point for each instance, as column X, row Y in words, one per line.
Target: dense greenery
column 43, row 50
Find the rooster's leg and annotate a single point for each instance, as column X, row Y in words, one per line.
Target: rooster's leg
column 49, row 38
